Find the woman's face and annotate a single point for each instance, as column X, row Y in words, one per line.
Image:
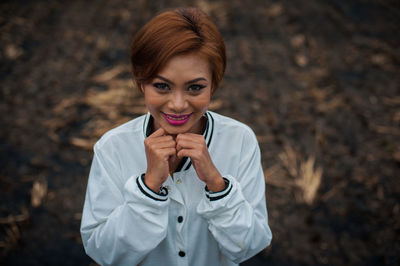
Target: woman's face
column 179, row 95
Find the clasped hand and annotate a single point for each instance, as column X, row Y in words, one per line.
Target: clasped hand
column 162, row 148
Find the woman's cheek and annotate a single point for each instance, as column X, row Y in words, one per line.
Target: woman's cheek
column 202, row 104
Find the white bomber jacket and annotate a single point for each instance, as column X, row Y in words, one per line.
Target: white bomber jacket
column 126, row 223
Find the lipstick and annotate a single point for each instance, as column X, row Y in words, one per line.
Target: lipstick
column 176, row 120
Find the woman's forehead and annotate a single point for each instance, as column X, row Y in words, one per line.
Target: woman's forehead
column 189, row 66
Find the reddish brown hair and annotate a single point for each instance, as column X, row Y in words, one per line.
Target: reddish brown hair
column 176, row 32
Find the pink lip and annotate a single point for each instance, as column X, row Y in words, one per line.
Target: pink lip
column 176, row 120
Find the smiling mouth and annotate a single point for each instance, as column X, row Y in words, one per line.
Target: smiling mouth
column 176, row 120
column 177, row 117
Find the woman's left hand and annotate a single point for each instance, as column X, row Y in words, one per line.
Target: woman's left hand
column 194, row 146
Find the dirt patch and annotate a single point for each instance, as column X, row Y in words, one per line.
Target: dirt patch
column 317, row 81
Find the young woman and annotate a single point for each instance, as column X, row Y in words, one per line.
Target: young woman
column 180, row 185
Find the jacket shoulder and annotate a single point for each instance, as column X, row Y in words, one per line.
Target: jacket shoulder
column 130, row 128
column 230, row 125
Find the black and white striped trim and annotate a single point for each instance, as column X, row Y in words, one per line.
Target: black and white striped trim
column 221, row 194
column 161, row 196
column 209, row 131
column 147, row 125
column 208, row 134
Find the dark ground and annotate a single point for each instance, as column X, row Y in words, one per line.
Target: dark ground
column 318, row 81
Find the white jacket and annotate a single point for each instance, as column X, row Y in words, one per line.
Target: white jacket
column 125, row 223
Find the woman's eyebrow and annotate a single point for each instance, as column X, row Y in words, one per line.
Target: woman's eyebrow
column 194, row 80
column 165, row 79
column 186, row 83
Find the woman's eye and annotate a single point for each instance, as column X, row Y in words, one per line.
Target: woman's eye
column 161, row 86
column 196, row 87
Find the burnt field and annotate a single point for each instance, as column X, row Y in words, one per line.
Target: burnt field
column 318, row 82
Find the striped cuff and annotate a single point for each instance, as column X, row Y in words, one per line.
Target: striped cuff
column 160, row 196
column 212, row 196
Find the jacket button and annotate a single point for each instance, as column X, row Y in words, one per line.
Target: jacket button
column 180, row 219
column 182, row 253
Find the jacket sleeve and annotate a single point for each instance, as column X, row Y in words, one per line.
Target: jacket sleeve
column 121, row 222
column 238, row 217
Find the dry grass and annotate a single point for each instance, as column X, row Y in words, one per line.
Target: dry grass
column 305, row 175
column 12, row 233
column 11, row 239
column 38, row 192
column 309, row 179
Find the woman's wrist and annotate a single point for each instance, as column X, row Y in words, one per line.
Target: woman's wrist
column 216, row 185
column 148, row 181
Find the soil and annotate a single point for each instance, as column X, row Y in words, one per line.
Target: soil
column 318, row 82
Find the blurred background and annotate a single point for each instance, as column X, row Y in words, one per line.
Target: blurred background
column 318, row 82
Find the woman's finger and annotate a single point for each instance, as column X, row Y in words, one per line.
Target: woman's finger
column 191, row 153
column 169, row 152
column 189, row 144
column 164, row 138
column 158, row 133
column 183, row 153
column 191, row 137
column 164, row 144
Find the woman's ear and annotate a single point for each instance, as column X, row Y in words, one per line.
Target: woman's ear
column 141, row 87
column 213, row 89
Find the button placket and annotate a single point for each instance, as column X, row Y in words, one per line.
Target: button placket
column 180, row 217
column 180, row 221
column 173, row 193
column 181, row 188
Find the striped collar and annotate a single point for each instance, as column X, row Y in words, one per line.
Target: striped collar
column 207, row 133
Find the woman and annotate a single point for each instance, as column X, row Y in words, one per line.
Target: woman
column 180, row 185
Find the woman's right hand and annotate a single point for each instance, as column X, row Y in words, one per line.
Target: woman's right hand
column 159, row 147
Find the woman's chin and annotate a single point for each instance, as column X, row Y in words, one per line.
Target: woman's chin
column 175, row 130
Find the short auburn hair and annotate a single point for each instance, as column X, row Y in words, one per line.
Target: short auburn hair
column 177, row 32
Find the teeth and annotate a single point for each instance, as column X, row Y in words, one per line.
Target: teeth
column 177, row 118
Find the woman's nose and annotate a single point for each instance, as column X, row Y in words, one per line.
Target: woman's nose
column 178, row 102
